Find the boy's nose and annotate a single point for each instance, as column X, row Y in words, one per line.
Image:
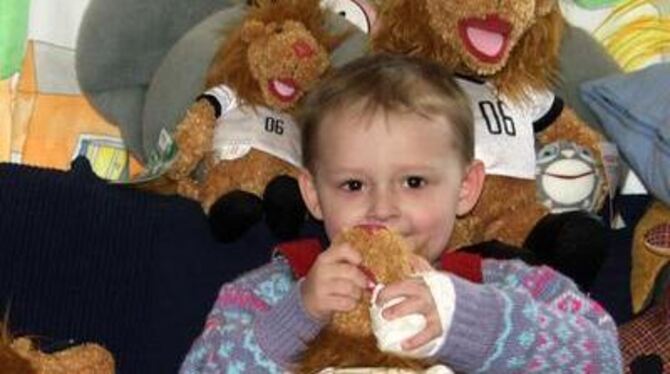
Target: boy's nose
column 383, row 206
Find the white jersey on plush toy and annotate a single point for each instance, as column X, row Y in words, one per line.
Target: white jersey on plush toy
column 504, row 130
column 240, row 128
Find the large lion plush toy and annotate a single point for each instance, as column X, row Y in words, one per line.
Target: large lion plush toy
column 240, row 132
column 505, row 54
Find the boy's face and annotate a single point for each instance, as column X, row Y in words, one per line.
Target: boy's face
column 395, row 170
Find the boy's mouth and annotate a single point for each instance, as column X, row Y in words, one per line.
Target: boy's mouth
column 372, row 227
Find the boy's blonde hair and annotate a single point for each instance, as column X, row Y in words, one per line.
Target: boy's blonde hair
column 391, row 83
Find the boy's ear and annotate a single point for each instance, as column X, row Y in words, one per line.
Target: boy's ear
column 309, row 194
column 471, row 187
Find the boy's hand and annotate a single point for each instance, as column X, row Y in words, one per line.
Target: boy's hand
column 419, row 264
column 334, row 283
column 417, row 299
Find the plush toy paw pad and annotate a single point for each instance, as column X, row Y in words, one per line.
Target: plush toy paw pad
column 647, row 364
column 574, row 243
column 284, row 209
column 233, row 214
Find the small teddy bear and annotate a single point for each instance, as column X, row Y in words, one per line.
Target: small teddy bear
column 386, row 259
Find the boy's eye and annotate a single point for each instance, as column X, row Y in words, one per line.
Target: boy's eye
column 352, row 185
column 415, row 182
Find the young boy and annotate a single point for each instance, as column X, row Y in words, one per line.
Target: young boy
column 388, row 142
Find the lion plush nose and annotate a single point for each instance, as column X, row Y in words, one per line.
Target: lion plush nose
column 302, row 49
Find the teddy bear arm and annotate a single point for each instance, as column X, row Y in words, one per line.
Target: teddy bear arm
column 189, row 188
column 86, row 359
column 509, row 220
column 514, row 228
column 250, row 173
column 83, row 359
column 193, row 137
column 516, row 218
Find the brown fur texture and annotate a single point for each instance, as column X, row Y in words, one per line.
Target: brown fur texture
column 508, row 208
column 348, row 340
column 20, row 356
column 253, row 53
column 233, row 65
column 12, row 362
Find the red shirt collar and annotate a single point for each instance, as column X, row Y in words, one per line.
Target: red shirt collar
column 302, row 253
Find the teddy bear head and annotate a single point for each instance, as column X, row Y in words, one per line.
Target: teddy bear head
column 386, row 259
column 276, row 55
column 514, row 43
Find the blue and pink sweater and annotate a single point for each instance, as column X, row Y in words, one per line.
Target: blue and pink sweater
column 509, row 318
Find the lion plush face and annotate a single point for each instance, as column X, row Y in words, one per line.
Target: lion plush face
column 285, row 60
column 512, row 43
column 275, row 54
column 485, row 31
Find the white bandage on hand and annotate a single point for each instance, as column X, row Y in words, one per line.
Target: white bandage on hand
column 437, row 369
column 391, row 334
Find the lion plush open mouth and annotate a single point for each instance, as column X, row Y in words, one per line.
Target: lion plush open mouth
column 286, row 90
column 486, row 39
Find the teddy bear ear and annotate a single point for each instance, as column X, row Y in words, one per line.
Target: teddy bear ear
column 543, row 7
column 259, row 3
column 293, row 25
column 252, row 30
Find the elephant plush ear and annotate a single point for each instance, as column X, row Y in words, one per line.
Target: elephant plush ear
column 115, row 67
column 144, row 85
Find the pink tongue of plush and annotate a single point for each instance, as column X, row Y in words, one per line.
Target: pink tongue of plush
column 283, row 89
column 487, row 42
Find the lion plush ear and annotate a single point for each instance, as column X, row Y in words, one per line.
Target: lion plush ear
column 252, row 30
column 543, row 7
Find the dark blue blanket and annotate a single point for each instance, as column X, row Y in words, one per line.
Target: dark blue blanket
column 83, row 260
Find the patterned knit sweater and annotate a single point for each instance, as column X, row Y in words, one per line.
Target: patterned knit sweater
column 509, row 318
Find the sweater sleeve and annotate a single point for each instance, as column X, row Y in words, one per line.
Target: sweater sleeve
column 257, row 325
column 525, row 319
